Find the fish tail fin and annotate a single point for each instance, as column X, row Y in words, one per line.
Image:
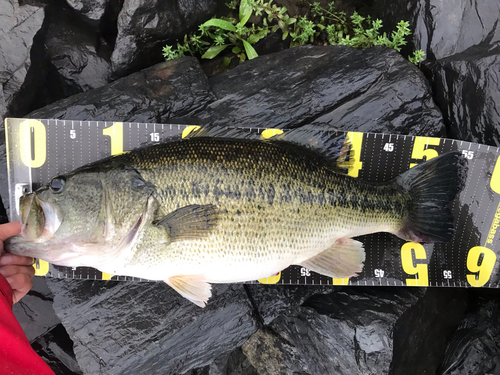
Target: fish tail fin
column 430, row 188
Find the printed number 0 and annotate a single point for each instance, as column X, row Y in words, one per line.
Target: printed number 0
column 40, row 143
column 482, row 272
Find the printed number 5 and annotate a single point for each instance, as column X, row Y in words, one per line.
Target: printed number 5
column 421, row 151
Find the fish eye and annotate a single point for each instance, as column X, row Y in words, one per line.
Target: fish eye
column 57, row 184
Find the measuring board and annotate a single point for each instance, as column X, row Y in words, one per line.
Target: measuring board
column 38, row 150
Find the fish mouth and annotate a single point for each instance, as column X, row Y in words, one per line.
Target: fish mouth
column 39, row 219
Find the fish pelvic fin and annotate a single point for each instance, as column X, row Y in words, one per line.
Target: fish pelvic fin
column 192, row 287
column 431, row 187
column 344, row 258
column 190, row 222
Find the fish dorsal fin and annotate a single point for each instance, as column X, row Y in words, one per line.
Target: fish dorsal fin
column 344, row 258
column 219, row 132
column 192, row 287
column 190, row 222
column 332, row 145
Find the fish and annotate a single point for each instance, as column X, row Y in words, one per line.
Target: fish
column 223, row 207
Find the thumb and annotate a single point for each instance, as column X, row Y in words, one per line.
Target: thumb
column 9, row 230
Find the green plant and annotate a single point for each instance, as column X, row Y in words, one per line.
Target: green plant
column 319, row 26
column 228, row 32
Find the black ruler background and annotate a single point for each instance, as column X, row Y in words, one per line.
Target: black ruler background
column 38, row 150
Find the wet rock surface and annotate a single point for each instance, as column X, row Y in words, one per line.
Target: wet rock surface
column 475, row 346
column 467, row 91
column 167, row 334
column 130, row 328
column 144, row 27
column 331, row 87
column 19, row 23
column 162, row 93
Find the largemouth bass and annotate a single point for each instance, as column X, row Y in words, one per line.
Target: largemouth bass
column 220, row 210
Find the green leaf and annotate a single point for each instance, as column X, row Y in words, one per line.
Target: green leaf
column 245, row 11
column 214, row 51
column 236, row 50
column 225, row 25
column 226, row 61
column 251, row 53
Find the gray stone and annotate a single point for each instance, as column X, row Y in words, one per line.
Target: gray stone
column 91, row 9
column 19, row 23
column 443, row 28
column 77, row 62
column 34, row 311
column 159, row 94
column 146, row 328
column 145, row 27
column 467, row 91
column 346, row 332
column 338, row 87
column 474, row 349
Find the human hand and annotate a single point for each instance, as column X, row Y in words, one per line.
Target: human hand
column 18, row 270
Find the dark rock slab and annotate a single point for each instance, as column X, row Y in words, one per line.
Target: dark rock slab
column 467, row 91
column 159, row 94
column 34, row 311
column 234, row 363
column 339, row 87
column 442, row 28
column 421, row 333
column 19, row 23
column 346, row 332
column 474, row 348
column 56, row 349
column 93, row 10
column 146, row 328
column 77, row 55
column 271, row 300
column 145, row 26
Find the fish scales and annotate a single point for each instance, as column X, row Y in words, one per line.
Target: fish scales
column 276, row 204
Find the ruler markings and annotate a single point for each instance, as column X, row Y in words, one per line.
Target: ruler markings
column 144, row 129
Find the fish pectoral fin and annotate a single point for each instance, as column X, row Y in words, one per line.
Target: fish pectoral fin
column 343, row 259
column 192, row 287
column 190, row 222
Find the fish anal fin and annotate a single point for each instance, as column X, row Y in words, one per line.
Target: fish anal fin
column 190, row 222
column 192, row 287
column 344, row 258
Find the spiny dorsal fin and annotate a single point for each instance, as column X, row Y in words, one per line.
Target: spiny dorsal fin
column 190, row 222
column 219, row 132
column 332, row 145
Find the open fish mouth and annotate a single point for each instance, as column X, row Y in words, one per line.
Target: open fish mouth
column 39, row 220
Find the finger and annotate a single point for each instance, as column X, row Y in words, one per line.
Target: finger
column 9, row 230
column 21, row 285
column 19, row 260
column 8, row 271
